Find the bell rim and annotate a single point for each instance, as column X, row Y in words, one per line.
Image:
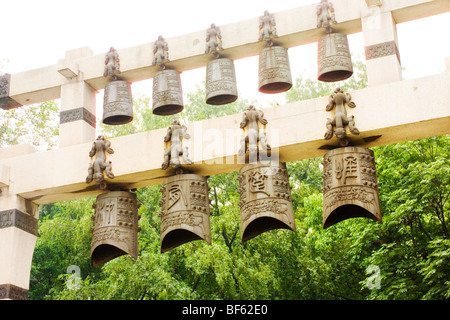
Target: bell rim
column 275, row 87
column 335, row 75
column 221, row 99
column 333, row 217
column 171, row 109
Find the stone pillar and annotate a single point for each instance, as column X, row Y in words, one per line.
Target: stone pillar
column 381, row 45
column 18, row 234
column 78, row 103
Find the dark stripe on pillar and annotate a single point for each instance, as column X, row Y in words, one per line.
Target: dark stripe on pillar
column 382, row 50
column 77, row 114
column 10, row 291
column 18, row 219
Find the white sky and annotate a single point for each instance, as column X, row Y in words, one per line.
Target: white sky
column 36, row 33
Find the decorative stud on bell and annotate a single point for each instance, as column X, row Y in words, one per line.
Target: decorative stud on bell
column 220, row 73
column 117, row 102
column 265, row 197
column 167, row 90
column 333, row 54
column 350, row 187
column 115, row 227
column 184, row 203
column 274, row 69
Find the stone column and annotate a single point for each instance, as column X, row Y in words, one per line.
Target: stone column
column 78, row 103
column 18, row 234
column 381, row 45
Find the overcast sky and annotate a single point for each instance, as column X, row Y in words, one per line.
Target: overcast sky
column 36, row 33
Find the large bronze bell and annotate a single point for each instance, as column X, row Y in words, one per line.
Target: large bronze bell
column 350, row 186
column 184, row 211
column 115, row 226
column 274, row 70
column 334, row 59
column 117, row 103
column 265, row 199
column 167, row 93
column 220, row 82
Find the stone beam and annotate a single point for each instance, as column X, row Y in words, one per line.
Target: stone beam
column 295, row 27
column 385, row 114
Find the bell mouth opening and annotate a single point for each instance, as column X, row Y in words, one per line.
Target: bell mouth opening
column 261, row 225
column 348, row 211
column 167, row 110
column 176, row 238
column 222, row 99
column 117, row 120
column 104, row 253
column 277, row 87
column 334, row 76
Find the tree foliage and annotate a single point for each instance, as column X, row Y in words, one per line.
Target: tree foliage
column 411, row 248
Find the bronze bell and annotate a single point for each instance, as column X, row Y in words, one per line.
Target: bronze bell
column 115, row 227
column 334, row 59
column 265, row 199
column 184, row 211
column 350, row 186
column 220, row 82
column 167, row 93
column 274, row 70
column 117, row 103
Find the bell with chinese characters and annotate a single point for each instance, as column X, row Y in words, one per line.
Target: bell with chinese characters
column 117, row 103
column 350, row 187
column 334, row 59
column 184, row 211
column 274, row 70
column 220, row 82
column 265, row 199
column 167, row 93
column 115, row 227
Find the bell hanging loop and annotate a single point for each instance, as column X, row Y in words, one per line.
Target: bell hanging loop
column 117, row 101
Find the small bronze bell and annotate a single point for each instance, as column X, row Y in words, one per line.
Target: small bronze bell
column 265, row 199
column 334, row 59
column 117, row 101
column 184, row 211
column 167, row 93
column 274, row 70
column 350, row 186
column 333, row 54
column 115, row 227
column 220, row 82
